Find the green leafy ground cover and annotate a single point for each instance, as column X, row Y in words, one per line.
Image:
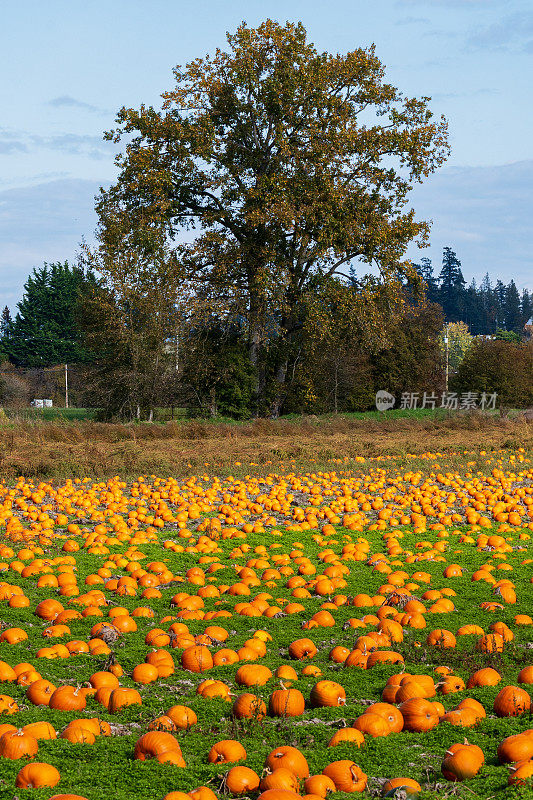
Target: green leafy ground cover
column 107, row 768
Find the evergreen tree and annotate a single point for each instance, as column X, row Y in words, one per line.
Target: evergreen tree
column 512, row 309
column 526, row 306
column 473, row 309
column 499, row 293
column 5, row 326
column 45, row 330
column 451, row 286
column 489, row 307
column 5, row 323
column 425, row 270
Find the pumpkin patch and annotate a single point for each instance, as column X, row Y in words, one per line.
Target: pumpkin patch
column 271, row 637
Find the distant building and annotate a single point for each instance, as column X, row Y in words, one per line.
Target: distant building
column 528, row 328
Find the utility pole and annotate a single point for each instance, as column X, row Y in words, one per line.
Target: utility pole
column 66, row 385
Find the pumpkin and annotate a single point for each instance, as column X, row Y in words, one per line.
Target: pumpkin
column 7, row 705
column 511, row 701
column 484, row 677
column 40, row 692
column 302, row 648
column 373, row 725
column 407, row 784
column 248, row 706
column 253, row 675
column 346, row 776
column 67, row 698
column 383, row 657
column 120, row 698
column 182, row 716
column 196, row 658
column 464, row 717
column 521, row 773
column 67, row 797
column 287, row 673
column 518, row 747
column 41, row 730
column 474, row 705
column 462, row 761
column 282, row 779
column 286, row 703
column 177, row 796
column 203, row 793
column 145, row 673
column 390, row 714
column 279, row 794
column 158, row 744
column 526, row 675
column 77, row 734
column 18, row 744
column 490, row 643
column 107, row 679
column 451, row 684
column 319, row 785
column 441, row 638
column 240, row 780
column 352, row 735
column 407, row 690
column 37, row 774
column 226, row 751
column 290, row 758
column 7, row 673
column 327, row 694
column 419, row 715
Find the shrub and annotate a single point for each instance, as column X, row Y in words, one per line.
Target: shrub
column 498, row 366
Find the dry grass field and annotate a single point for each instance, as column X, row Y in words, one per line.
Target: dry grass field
column 84, row 448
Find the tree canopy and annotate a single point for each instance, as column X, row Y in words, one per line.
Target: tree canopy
column 45, row 330
column 270, row 166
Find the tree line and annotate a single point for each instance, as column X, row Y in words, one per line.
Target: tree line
column 204, row 366
column 250, row 256
column 486, row 308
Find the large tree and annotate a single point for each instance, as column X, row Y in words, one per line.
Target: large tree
column 280, row 163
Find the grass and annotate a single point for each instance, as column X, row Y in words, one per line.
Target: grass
column 56, row 414
column 60, row 448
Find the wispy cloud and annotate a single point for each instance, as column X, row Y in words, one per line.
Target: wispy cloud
column 11, row 142
column 412, row 21
column 457, row 95
column 67, row 101
column 441, row 33
column 75, row 144
column 94, row 147
column 513, row 32
column 484, row 213
column 44, row 222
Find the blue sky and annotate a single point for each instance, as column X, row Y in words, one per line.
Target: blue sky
column 67, row 68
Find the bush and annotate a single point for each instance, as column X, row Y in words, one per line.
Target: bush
column 498, row 366
column 14, row 390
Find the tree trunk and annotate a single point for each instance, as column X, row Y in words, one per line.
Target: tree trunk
column 281, row 390
column 213, row 403
column 256, row 342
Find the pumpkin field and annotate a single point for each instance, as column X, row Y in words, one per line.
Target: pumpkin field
column 275, row 636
